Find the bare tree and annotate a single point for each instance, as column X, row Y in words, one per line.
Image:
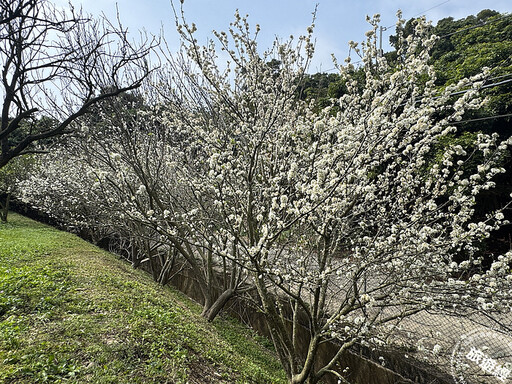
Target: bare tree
column 58, row 64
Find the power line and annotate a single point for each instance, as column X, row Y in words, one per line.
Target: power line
column 459, row 31
column 447, row 35
column 464, row 91
column 423, row 12
column 482, row 118
column 435, row 6
column 475, row 26
column 498, row 77
column 482, row 87
column 382, row 29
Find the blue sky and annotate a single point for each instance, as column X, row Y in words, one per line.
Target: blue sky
column 338, row 21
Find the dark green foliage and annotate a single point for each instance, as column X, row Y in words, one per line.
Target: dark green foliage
column 464, row 48
column 16, row 170
column 468, row 45
column 324, row 89
column 478, row 45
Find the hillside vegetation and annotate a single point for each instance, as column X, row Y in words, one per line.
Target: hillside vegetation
column 70, row 312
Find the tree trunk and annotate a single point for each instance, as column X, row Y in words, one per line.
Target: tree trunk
column 218, row 305
column 4, row 208
column 168, row 266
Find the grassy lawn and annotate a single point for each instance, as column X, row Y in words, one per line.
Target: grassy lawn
column 72, row 313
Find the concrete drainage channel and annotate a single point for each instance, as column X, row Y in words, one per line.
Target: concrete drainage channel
column 361, row 362
column 362, row 368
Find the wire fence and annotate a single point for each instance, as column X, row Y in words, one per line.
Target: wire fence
column 473, row 349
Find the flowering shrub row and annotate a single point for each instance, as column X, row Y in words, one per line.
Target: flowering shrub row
column 347, row 215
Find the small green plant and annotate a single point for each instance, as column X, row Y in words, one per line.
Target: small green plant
column 71, row 313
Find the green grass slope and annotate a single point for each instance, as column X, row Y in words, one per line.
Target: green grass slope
column 72, row 313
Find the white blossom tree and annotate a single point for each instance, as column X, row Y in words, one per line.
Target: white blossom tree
column 229, row 116
column 140, row 185
column 345, row 222
column 352, row 219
